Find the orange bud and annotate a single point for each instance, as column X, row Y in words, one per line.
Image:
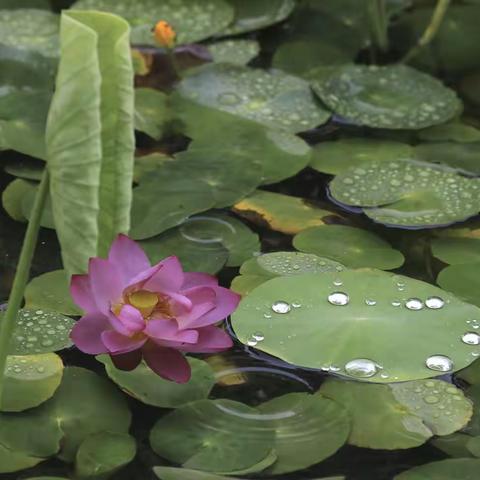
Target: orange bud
column 164, row 34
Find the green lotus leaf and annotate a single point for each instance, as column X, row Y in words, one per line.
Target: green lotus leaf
column 473, row 446
column 473, row 428
column 407, row 193
column 14, row 4
column 471, row 374
column 469, row 90
column 30, row 29
column 320, row 427
column 239, row 52
column 452, row 50
column 30, row 380
column 454, row 445
column 350, row 246
column 203, row 235
column 26, row 168
column 13, row 196
column 276, row 100
column 102, row 454
column 462, row 280
column 463, row 156
column 14, row 461
column 192, row 20
column 148, row 164
column 202, row 435
column 51, row 291
column 302, row 319
column 395, row 97
column 402, row 415
column 255, row 14
column 151, row 112
column 168, row 197
column 40, row 331
column 260, row 269
column 456, row 250
column 450, row 469
column 303, row 57
column 451, row 132
column 283, row 213
column 335, row 157
column 147, row 387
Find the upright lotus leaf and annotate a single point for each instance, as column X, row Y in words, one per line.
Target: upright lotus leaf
column 408, row 193
column 350, row 246
column 40, row 331
column 239, row 52
column 273, row 99
column 151, row 112
column 462, row 279
column 450, row 469
column 147, row 387
column 463, row 156
column 193, row 20
column 102, row 454
column 219, row 436
column 258, row 270
column 399, row 416
column 51, row 291
column 336, row 156
column 90, row 141
column 452, row 132
column 283, row 213
column 30, row 380
column 364, row 324
column 255, row 14
column 30, row 29
column 454, row 251
column 395, row 97
column 316, row 426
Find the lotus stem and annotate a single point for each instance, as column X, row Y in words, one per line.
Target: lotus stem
column 7, row 323
column 378, row 24
column 431, row 30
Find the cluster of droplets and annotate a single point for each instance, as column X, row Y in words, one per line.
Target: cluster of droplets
column 295, row 263
column 27, row 366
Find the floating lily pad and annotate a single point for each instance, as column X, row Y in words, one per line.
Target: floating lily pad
column 204, row 434
column 30, row 29
column 318, row 425
column 239, row 52
column 351, row 246
column 26, row 168
column 456, row 250
column 193, row 20
column 260, row 269
column 408, row 194
column 103, row 454
column 40, row 331
column 283, row 213
column 171, row 473
column 255, row 14
column 402, row 415
column 454, row 445
column 451, row 132
column 462, row 280
column 276, row 100
column 51, row 291
column 395, row 97
column 471, row 374
column 463, row 156
column 149, row 388
column 30, row 380
column 450, row 469
column 304, row 318
column 337, row 156
column 151, row 112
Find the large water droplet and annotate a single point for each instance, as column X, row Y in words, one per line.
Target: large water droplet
column 434, row 302
column 414, row 304
column 338, row 298
column 361, row 368
column 281, row 307
column 439, row 363
column 471, row 338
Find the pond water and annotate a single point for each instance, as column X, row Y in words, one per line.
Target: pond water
column 288, row 149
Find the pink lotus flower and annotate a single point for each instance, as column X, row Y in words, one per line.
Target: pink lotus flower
column 134, row 310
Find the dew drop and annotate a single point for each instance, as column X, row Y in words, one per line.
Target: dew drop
column 439, row 363
column 252, row 342
column 434, row 303
column 338, row 283
column 296, row 304
column 228, row 98
column 47, row 343
column 370, row 302
column 338, row 298
column 430, row 399
column 471, row 338
column 40, row 369
column 281, row 307
column 361, row 368
column 258, row 336
column 396, row 303
column 414, row 304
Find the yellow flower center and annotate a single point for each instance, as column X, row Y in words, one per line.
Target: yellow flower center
column 144, row 301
